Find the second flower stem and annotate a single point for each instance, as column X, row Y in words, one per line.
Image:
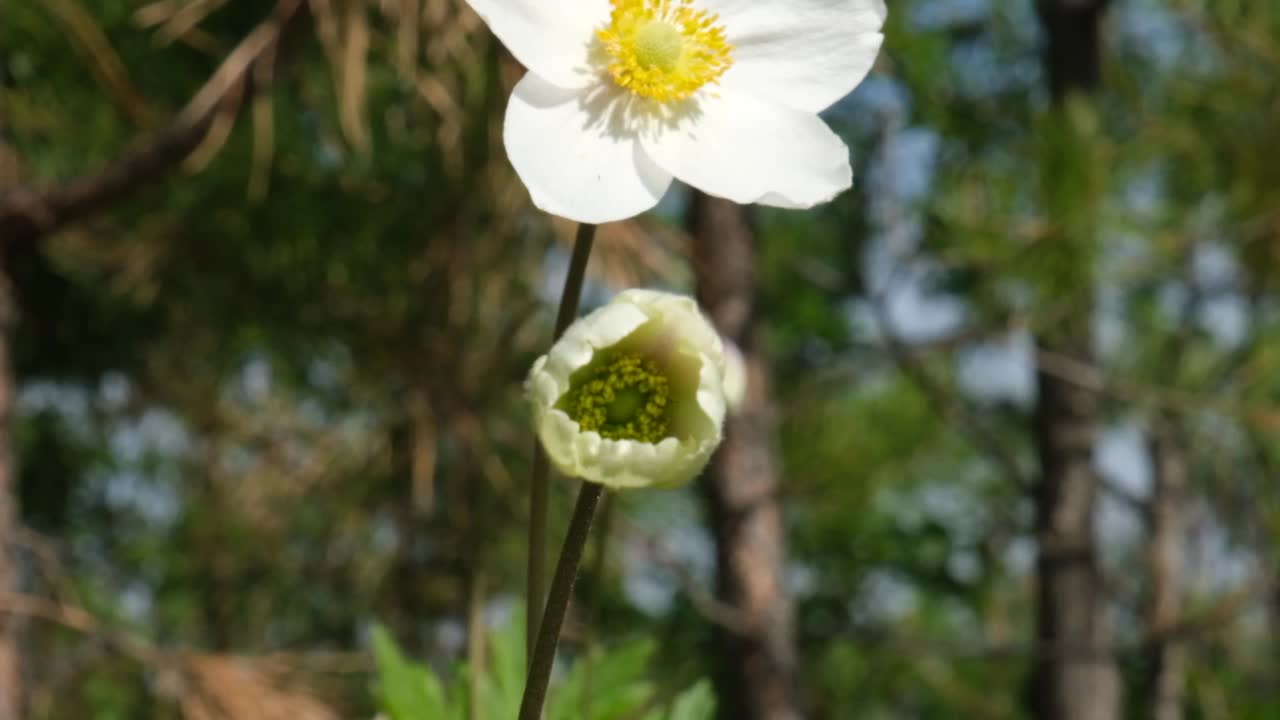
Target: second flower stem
column 537, row 569
column 544, row 652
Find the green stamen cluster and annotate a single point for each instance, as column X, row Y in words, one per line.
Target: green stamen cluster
column 625, row 397
column 658, row 45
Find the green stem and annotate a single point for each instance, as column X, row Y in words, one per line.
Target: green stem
column 544, row 651
column 596, row 573
column 537, row 571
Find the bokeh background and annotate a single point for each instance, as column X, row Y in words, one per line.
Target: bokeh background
column 268, row 289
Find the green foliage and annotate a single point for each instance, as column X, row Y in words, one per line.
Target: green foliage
column 267, row 402
column 408, row 691
column 602, row 685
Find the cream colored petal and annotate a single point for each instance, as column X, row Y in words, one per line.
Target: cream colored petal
column 622, row 464
column 735, row 375
column 549, row 377
column 683, row 316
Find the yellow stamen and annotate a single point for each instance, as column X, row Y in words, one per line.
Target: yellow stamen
column 623, row 397
column 664, row 49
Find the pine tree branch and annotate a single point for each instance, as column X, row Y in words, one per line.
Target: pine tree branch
column 28, row 213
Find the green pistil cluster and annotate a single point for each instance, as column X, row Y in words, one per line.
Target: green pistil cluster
column 623, row 397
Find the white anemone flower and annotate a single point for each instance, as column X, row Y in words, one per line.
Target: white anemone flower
column 623, row 95
column 632, row 395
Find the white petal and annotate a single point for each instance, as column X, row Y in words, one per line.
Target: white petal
column 552, row 39
column 748, row 150
column 806, row 54
column 572, row 155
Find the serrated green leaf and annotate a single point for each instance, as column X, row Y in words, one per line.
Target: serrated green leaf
column 698, row 702
column 406, row 690
column 506, row 668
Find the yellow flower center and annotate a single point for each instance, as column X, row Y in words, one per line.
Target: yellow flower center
column 623, row 397
column 664, row 49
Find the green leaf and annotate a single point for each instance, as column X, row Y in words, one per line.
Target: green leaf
column 605, row 685
column 698, row 702
column 406, row 691
column 505, row 684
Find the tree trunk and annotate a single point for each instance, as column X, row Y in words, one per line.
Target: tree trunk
column 1165, row 560
column 756, row 670
column 1075, row 677
column 1075, row 674
column 10, row 665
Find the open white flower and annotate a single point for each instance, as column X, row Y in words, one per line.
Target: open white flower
column 632, row 395
column 623, row 95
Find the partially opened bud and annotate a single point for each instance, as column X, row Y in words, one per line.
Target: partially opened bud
column 632, row 395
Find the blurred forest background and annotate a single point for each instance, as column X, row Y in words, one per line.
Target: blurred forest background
column 268, row 289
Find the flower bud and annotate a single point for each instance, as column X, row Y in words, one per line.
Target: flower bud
column 632, row 395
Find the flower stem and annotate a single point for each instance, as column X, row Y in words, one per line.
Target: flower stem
column 537, row 570
column 544, row 652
